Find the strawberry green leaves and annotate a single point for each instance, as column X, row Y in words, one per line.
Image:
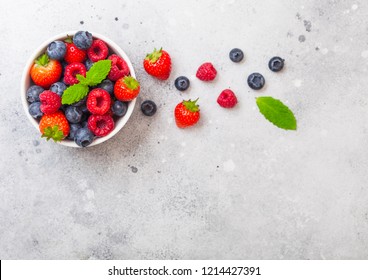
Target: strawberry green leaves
column 276, row 112
column 53, row 133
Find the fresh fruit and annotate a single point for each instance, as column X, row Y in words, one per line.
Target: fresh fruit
column 34, row 110
column 148, row 108
column 80, row 102
column 73, row 54
column 73, row 129
column 98, row 50
column 206, row 72
column 72, row 70
column 50, row 102
column 182, row 83
column 187, row 113
column 236, row 55
column 73, row 114
column 83, row 40
column 108, row 86
column 100, row 125
column 45, row 71
column 56, row 50
column 98, row 101
column 119, row 68
column 54, row 126
column 158, row 64
column 227, row 99
column 256, row 81
column 88, row 64
column 119, row 108
column 276, row 64
column 126, row 88
column 33, row 93
column 58, row 88
column 83, row 137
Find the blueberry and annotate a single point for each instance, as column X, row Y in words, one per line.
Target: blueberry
column 56, row 50
column 108, row 86
column 80, row 102
column 84, row 124
column 119, row 108
column 236, row 55
column 84, row 109
column 148, row 108
column 88, row 64
column 276, row 64
column 182, row 83
column 83, row 137
column 34, row 110
column 73, row 114
column 83, row 40
column 63, row 64
column 73, row 129
column 256, row 81
column 33, row 93
column 58, row 88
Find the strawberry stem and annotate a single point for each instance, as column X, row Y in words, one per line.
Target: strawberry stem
column 53, row 133
column 42, row 60
column 154, row 56
column 131, row 83
column 191, row 105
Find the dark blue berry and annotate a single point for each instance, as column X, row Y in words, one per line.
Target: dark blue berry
column 148, row 108
column 256, row 81
column 83, row 137
column 88, row 64
column 33, row 94
column 83, row 40
column 73, row 129
column 58, row 88
column 34, row 110
column 84, row 124
column 236, row 55
column 276, row 64
column 108, row 86
column 119, row 108
column 73, row 114
column 56, row 50
column 80, row 102
column 182, row 83
column 84, row 109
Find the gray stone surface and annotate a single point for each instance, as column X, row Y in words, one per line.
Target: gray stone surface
column 234, row 186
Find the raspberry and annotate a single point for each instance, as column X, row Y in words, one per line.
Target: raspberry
column 98, row 101
column 227, row 99
column 71, row 72
column 119, row 68
column 206, row 72
column 50, row 102
column 101, row 125
column 98, row 51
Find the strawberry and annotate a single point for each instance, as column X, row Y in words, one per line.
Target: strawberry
column 44, row 72
column 54, row 126
column 73, row 54
column 158, row 64
column 187, row 113
column 126, row 88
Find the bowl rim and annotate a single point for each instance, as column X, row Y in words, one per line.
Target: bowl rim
column 41, row 49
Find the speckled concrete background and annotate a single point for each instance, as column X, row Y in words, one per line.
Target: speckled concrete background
column 234, row 186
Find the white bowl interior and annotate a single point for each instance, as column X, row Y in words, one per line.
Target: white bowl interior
column 27, row 82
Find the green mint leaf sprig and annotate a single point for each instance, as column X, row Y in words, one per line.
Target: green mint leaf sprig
column 276, row 112
column 94, row 76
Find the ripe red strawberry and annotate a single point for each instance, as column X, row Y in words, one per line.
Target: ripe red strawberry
column 97, row 51
column 187, row 113
column 101, row 125
column 71, row 71
column 44, row 72
column 119, row 68
column 50, row 102
column 206, row 72
column 54, row 126
column 98, row 101
column 126, row 88
column 158, row 64
column 73, row 54
column 227, row 99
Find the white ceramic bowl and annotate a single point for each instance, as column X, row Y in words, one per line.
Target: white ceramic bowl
column 27, row 82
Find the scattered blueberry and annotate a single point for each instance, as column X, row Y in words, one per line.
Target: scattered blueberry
column 107, row 85
column 56, row 50
column 82, row 40
column 83, row 137
column 256, row 81
column 148, row 108
column 34, row 110
column 182, row 83
column 236, row 55
column 58, row 88
column 276, row 64
column 119, row 108
column 33, row 93
column 88, row 64
column 73, row 129
column 80, row 102
column 73, row 114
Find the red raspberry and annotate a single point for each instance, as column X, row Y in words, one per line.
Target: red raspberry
column 50, row 102
column 71, row 72
column 98, row 101
column 101, row 125
column 98, row 51
column 227, row 99
column 119, row 68
column 206, row 72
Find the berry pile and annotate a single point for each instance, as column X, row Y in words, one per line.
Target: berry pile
column 80, row 89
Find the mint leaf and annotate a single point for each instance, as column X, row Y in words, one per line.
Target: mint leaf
column 82, row 79
column 276, row 112
column 98, row 72
column 74, row 93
